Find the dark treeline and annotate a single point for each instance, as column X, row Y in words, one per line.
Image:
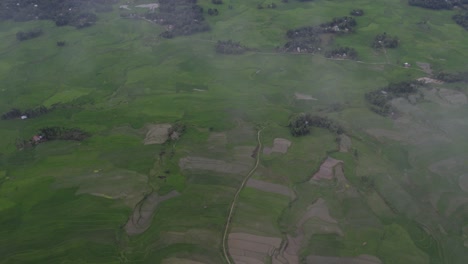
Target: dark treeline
column 438, row 4
column 300, row 124
column 182, row 17
column 342, row 53
column 16, row 113
column 452, row 77
column 461, row 19
column 77, row 13
column 307, row 39
column 62, row 133
column 380, row 100
column 230, row 47
column 385, row 41
column 34, row 33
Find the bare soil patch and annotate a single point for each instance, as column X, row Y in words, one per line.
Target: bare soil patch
column 280, row 145
column 252, row 249
column 200, row 163
column 142, row 214
column 157, row 133
column 361, row 259
column 345, row 143
column 300, row 96
column 326, row 170
column 429, row 80
column 271, row 187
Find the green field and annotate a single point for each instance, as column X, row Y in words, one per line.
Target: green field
column 403, row 197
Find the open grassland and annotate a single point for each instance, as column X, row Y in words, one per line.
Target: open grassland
column 399, row 194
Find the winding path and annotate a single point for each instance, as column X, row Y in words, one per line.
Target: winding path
column 236, row 197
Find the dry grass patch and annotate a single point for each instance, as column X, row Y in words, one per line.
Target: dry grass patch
column 200, row 163
column 361, row 259
column 126, row 185
column 271, row 187
column 345, row 143
column 142, row 214
column 157, row 133
column 280, row 145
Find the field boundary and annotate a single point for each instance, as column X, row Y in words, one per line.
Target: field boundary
column 236, row 197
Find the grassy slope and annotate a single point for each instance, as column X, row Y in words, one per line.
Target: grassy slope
column 123, row 75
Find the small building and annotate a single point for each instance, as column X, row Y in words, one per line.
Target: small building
column 24, row 117
column 406, row 65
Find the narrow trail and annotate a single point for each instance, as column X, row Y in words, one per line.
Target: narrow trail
column 236, row 197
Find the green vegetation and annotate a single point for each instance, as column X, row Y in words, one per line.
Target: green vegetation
column 385, row 41
column 397, row 190
column 461, row 19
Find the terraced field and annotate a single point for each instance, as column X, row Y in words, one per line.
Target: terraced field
column 187, row 154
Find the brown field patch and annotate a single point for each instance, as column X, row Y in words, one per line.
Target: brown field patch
column 200, row 163
column 301, row 96
column 157, row 133
column 271, row 187
column 326, row 170
column 142, row 214
column 280, row 145
column 361, row 259
column 252, row 249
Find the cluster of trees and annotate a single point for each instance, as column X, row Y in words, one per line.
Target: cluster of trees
column 63, row 133
column 357, row 12
column 213, row 11
column 461, row 19
column 307, row 39
column 342, row 53
column 385, row 41
column 339, row 24
column 16, row 113
column 176, row 130
column 183, row 17
column 300, row 124
column 34, row 33
column 77, row 13
column 230, row 47
column 380, row 100
column 438, row 4
column 217, row 2
column 271, row 5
